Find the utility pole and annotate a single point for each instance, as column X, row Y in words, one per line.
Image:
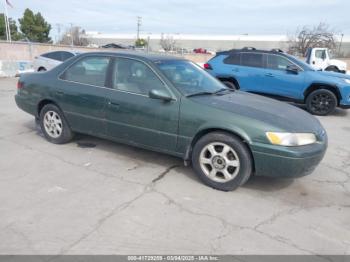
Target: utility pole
column 341, row 41
column 7, row 24
column 139, row 23
column 71, row 34
column 58, row 33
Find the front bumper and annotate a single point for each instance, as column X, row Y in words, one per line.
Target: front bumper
column 280, row 161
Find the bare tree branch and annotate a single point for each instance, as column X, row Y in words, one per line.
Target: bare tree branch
column 318, row 36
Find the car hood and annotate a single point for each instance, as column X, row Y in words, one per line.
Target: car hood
column 280, row 115
column 333, row 74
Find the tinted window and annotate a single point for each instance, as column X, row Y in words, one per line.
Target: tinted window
column 53, row 55
column 277, row 62
column 89, row 70
column 135, row 77
column 251, row 59
column 233, row 59
column 66, row 55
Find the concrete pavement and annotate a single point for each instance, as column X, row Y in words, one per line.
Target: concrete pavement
column 93, row 196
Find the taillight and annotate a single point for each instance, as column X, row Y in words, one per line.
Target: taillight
column 20, row 85
column 207, row 66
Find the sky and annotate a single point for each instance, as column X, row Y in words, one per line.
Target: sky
column 190, row 17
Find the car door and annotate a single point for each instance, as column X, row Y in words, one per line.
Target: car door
column 81, row 93
column 279, row 80
column 135, row 117
column 251, row 72
column 319, row 60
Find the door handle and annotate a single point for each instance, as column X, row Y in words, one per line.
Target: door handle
column 235, row 70
column 113, row 104
column 59, row 93
column 269, row 75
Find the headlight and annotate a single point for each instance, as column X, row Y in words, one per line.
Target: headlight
column 291, row 139
column 347, row 80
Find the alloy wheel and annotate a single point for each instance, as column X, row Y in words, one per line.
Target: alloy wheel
column 53, row 124
column 219, row 162
column 322, row 103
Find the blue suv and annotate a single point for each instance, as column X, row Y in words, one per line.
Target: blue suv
column 282, row 76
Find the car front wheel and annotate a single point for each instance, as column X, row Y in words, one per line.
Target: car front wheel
column 54, row 125
column 222, row 161
column 230, row 84
column 321, row 102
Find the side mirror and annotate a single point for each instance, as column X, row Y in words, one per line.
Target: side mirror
column 293, row 69
column 160, row 94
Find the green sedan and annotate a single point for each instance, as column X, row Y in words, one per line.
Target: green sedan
column 171, row 105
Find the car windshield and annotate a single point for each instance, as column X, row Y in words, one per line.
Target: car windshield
column 189, row 78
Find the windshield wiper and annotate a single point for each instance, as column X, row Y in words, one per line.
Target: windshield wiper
column 201, row 94
column 223, row 89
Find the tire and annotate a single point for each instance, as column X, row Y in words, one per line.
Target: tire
column 229, row 84
column 332, row 69
column 42, row 69
column 321, row 102
column 236, row 163
column 54, row 125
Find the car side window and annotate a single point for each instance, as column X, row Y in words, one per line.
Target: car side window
column 233, row 59
column 320, row 54
column 252, row 59
column 134, row 76
column 277, row 62
column 89, row 70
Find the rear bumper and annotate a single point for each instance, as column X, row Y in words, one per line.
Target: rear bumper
column 279, row 161
column 25, row 105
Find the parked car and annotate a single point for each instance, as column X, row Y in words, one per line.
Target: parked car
column 171, row 105
column 282, row 76
column 118, row 46
column 49, row 60
column 320, row 59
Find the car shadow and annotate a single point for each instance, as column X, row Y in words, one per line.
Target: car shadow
column 338, row 112
column 257, row 183
column 268, row 184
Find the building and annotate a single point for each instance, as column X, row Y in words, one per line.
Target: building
column 209, row 42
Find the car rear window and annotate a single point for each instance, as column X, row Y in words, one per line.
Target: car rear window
column 252, row 59
column 233, row 59
column 66, row 55
column 53, row 55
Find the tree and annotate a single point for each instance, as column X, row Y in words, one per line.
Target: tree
column 79, row 37
column 140, row 42
column 317, row 36
column 34, row 27
column 15, row 35
column 167, row 43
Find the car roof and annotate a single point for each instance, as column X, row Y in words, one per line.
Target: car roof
column 68, row 51
column 136, row 54
column 251, row 50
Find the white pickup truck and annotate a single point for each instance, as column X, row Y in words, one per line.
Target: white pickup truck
column 320, row 59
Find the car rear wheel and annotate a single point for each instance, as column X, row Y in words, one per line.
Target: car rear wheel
column 222, row 161
column 321, row 102
column 54, row 125
column 229, row 84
